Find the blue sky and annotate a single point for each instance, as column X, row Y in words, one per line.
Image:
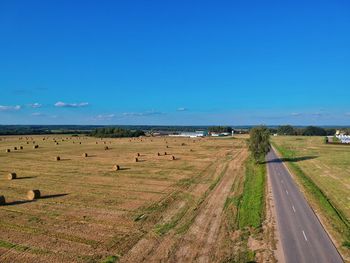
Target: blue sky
column 175, row 62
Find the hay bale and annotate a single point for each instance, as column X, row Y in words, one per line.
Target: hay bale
column 158, row 154
column 165, row 153
column 116, row 167
column 36, row 146
column 57, row 158
column 8, row 150
column 21, row 147
column 57, row 143
column 27, row 142
column 167, row 146
column 183, row 144
column 11, row 176
column 79, row 142
column 106, row 148
column 173, row 157
column 136, row 160
column 15, row 148
column 138, row 154
column 33, row 194
column 2, row 200
column 85, row 155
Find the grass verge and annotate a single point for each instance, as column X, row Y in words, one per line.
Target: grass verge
column 252, row 202
column 334, row 216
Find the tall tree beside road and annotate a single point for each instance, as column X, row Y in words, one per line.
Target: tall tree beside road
column 259, row 142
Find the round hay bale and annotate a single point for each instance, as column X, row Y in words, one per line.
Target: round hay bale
column 11, row 176
column 27, row 142
column 167, row 146
column 57, row 158
column 33, row 194
column 57, row 143
column 35, row 146
column 21, row 147
column 138, row 154
column 8, row 150
column 165, row 153
column 106, row 148
column 158, row 154
column 173, row 157
column 2, row 200
column 116, row 167
column 183, row 144
column 79, row 142
column 85, row 155
column 96, row 142
column 136, row 160
column 15, row 148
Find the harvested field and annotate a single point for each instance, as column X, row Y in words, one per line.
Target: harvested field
column 150, row 210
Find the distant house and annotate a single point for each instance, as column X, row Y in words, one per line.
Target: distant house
column 191, row 134
column 343, row 138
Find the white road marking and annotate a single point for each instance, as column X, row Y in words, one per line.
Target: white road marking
column 287, row 192
column 304, row 235
column 293, row 208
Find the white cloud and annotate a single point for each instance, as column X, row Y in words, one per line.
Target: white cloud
column 105, row 116
column 10, row 108
column 38, row 114
column 35, row 105
column 71, row 105
column 142, row 114
column 182, row 109
column 296, row 114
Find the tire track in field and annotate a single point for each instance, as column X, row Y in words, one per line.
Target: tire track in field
column 199, row 243
column 153, row 248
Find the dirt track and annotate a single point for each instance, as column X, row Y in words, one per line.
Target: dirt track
column 200, row 242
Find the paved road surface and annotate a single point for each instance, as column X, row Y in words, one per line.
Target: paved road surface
column 303, row 237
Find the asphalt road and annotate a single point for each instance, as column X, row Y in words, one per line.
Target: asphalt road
column 302, row 235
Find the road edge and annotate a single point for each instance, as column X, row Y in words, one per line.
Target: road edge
column 307, row 201
column 279, row 252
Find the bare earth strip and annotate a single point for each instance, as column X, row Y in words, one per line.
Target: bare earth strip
column 199, row 242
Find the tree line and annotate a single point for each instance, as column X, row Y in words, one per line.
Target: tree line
column 304, row 131
column 111, row 132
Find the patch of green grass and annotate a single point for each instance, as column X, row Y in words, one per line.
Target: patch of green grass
column 251, row 205
column 336, row 217
column 162, row 229
column 111, row 259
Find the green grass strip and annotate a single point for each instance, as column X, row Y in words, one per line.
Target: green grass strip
column 252, row 202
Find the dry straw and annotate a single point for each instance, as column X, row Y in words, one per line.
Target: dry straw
column 11, row 176
column 116, row 167
column 33, row 194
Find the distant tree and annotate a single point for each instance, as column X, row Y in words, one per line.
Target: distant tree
column 314, row 131
column 259, row 142
column 219, row 129
column 286, row 130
